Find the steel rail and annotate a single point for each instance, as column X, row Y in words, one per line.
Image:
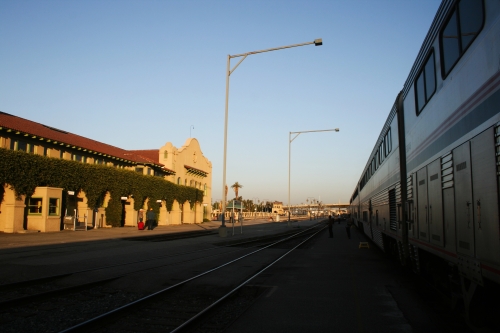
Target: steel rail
column 242, row 284
column 148, row 297
column 50, row 293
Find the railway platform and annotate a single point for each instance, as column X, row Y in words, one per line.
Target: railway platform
column 30, row 239
column 335, row 285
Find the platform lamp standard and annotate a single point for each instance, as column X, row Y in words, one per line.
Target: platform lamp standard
column 255, row 205
column 290, row 139
column 229, row 71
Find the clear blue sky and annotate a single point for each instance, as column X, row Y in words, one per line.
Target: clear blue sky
column 138, row 74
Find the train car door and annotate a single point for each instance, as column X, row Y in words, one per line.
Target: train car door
column 463, row 200
column 435, row 197
column 485, row 196
column 422, row 205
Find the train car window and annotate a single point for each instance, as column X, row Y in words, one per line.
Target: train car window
column 462, row 27
column 471, row 20
column 450, row 45
column 430, row 77
column 381, row 154
column 387, row 142
column 425, row 85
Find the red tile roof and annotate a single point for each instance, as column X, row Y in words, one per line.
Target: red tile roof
column 150, row 154
column 54, row 135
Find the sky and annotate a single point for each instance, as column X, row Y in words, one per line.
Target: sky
column 138, row 74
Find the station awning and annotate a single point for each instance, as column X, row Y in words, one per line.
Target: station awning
column 236, row 204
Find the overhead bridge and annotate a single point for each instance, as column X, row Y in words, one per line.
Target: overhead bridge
column 315, row 206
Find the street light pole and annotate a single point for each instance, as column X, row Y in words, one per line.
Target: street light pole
column 290, row 139
column 229, row 71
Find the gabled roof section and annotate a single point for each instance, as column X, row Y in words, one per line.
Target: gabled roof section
column 34, row 130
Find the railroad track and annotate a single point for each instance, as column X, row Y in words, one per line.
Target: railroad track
column 179, row 306
column 25, row 303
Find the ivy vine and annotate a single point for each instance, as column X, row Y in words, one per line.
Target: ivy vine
column 24, row 172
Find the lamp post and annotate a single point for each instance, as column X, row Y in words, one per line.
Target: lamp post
column 310, row 202
column 229, row 71
column 290, row 139
column 255, row 206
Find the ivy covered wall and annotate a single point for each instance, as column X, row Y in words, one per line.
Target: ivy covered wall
column 24, row 172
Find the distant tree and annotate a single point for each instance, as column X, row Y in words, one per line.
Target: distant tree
column 236, row 186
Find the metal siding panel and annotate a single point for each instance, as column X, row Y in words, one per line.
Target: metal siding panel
column 464, row 213
column 485, row 197
column 422, row 208
column 449, row 219
column 435, row 203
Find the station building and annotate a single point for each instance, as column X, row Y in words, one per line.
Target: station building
column 183, row 166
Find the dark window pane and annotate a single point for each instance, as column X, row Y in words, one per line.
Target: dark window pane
column 450, row 43
column 430, row 78
column 420, row 92
column 22, row 146
column 35, row 206
column 471, row 20
column 389, row 136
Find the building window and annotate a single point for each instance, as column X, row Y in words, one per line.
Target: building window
column 35, row 206
column 165, row 154
column 205, row 189
column 179, row 181
column 79, row 158
column 462, row 27
column 139, row 170
column 22, row 146
column 54, row 206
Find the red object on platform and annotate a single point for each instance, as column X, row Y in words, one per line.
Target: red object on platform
column 140, row 225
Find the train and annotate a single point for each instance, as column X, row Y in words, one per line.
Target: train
column 429, row 192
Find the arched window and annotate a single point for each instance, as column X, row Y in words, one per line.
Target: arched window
column 165, row 154
column 205, row 189
column 178, row 180
column 191, row 183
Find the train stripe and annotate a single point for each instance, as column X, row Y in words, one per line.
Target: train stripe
column 484, row 102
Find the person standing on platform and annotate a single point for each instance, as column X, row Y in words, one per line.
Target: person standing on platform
column 330, row 226
column 150, row 218
column 348, row 227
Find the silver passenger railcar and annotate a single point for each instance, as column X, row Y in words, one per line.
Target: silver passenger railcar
column 429, row 192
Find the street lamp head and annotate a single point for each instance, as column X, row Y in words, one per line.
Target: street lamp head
column 336, row 130
column 318, row 42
